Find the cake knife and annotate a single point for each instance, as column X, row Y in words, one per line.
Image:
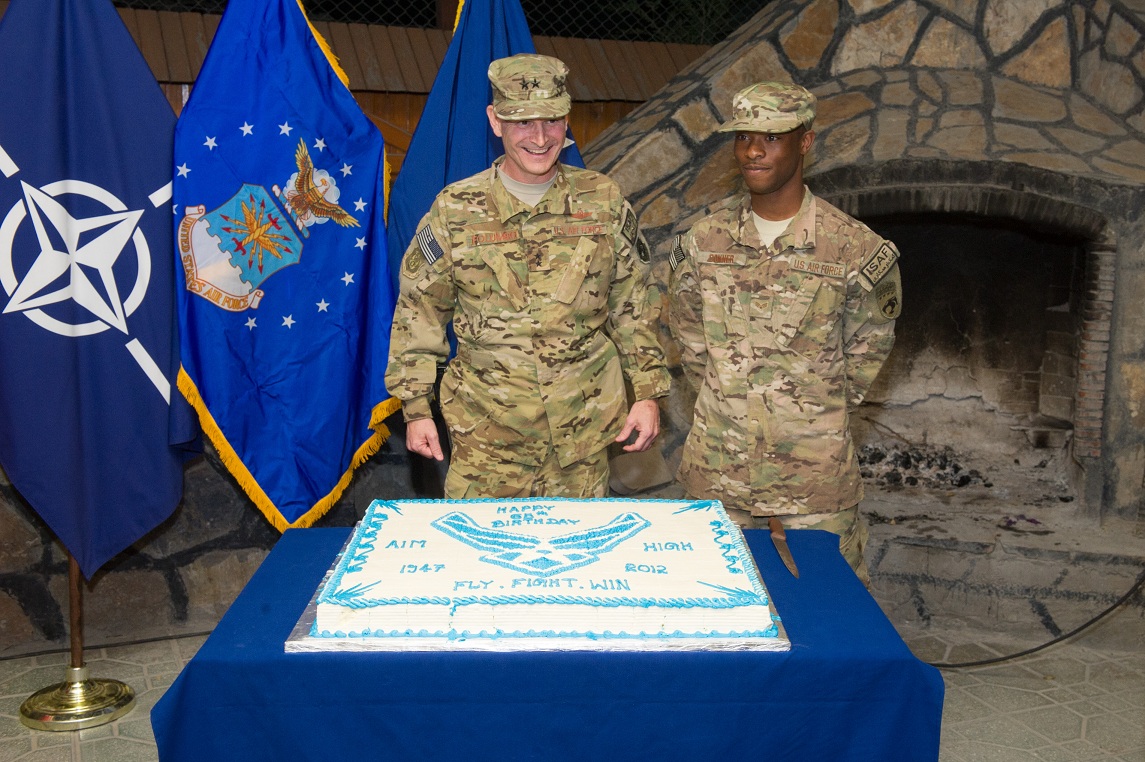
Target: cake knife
column 779, row 539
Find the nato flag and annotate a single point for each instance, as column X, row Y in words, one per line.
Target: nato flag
column 88, row 356
column 453, row 139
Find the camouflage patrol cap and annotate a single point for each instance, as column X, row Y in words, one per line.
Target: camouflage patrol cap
column 771, row 107
column 529, row 86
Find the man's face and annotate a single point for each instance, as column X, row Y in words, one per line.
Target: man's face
column 532, row 146
column 772, row 162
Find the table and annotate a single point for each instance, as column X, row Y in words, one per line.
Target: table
column 849, row 689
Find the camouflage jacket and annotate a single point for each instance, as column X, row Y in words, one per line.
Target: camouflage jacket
column 550, row 309
column 780, row 342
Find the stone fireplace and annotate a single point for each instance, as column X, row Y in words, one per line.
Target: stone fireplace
column 999, row 143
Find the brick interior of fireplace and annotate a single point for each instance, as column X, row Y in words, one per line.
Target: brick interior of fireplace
column 988, row 350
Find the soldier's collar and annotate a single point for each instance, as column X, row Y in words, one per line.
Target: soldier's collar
column 505, row 206
column 800, row 234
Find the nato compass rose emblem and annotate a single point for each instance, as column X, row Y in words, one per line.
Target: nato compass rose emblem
column 229, row 252
column 538, row 556
column 77, row 261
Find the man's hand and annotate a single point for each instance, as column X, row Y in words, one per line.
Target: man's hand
column 421, row 437
column 644, row 418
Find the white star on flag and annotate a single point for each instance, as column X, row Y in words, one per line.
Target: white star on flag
column 247, row 128
column 361, row 243
column 347, row 279
column 184, row 170
column 284, row 128
column 251, row 323
column 288, row 321
column 322, row 305
column 210, row 144
column 346, row 169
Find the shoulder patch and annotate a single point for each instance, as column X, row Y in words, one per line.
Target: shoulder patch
column 629, row 228
column 642, row 250
column 880, row 262
column 412, row 263
column 677, row 255
column 888, row 300
column 430, row 248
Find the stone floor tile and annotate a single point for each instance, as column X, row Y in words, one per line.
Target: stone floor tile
column 1005, row 731
column 10, row 726
column 1060, row 669
column 1057, row 723
column 117, row 750
column 143, row 653
column 52, row 754
column 962, row 706
column 1055, row 754
column 12, row 749
column 1107, row 703
column 1114, row 735
column 1006, row 699
column 928, row 648
column 977, row 751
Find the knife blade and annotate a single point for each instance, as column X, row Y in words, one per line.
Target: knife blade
column 779, row 539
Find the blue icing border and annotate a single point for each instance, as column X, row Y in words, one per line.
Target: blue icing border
column 452, row 634
column 724, row 533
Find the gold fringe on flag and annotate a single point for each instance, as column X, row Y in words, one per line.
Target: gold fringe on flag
column 326, row 50
column 246, row 480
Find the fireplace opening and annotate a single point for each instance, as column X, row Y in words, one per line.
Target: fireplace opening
column 982, row 386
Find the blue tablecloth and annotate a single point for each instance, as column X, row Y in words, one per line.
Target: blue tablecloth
column 849, row 689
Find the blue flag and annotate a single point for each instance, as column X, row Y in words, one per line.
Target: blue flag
column 88, row 362
column 453, row 139
column 285, row 301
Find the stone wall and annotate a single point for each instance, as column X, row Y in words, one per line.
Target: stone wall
column 1029, row 111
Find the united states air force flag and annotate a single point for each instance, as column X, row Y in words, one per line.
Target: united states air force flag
column 285, row 301
column 453, row 139
column 87, row 324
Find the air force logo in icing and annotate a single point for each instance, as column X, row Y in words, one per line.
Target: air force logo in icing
column 540, row 557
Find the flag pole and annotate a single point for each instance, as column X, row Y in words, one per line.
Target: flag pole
column 80, row 701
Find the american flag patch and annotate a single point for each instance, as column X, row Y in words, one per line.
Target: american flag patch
column 429, row 246
column 677, row 255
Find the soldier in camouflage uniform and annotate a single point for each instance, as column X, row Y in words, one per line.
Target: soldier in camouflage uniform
column 784, row 308
column 542, row 270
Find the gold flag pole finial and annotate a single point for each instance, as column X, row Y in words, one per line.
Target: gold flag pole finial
column 80, row 701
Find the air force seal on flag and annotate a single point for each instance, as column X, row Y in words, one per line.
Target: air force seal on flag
column 229, row 252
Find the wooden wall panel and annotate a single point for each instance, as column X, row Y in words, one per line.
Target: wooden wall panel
column 392, row 68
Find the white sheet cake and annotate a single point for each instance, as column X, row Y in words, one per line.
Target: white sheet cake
column 543, row 574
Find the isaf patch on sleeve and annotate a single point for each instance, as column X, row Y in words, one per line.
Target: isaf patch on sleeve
column 677, row 255
column 429, row 246
column 880, row 262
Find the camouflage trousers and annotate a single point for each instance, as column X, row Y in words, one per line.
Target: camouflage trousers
column 847, row 523
column 475, row 473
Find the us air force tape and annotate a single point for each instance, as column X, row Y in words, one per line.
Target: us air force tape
column 879, row 264
column 677, row 255
column 430, row 248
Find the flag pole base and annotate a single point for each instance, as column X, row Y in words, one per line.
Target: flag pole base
column 80, row 702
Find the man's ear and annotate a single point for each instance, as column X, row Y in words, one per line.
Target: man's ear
column 805, row 142
column 494, row 121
